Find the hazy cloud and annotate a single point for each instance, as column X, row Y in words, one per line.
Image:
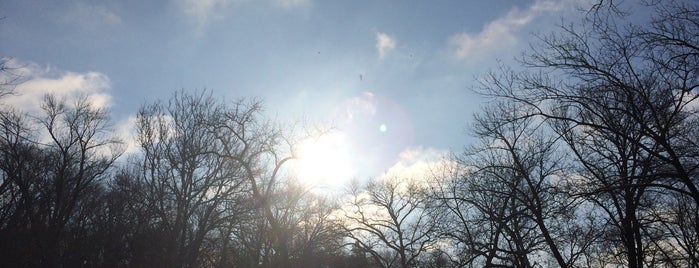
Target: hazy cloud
column 384, row 44
column 499, row 33
column 363, row 105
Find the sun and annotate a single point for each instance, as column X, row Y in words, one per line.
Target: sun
column 323, row 161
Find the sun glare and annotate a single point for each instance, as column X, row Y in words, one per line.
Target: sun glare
column 323, row 161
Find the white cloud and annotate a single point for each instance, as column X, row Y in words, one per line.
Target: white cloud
column 126, row 130
column 384, row 44
column 419, row 164
column 693, row 101
column 39, row 81
column 499, row 33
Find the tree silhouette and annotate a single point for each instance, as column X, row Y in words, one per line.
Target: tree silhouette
column 391, row 220
column 621, row 99
column 51, row 180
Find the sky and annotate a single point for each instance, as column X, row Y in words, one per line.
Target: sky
column 394, row 77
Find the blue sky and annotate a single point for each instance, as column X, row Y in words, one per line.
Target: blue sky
column 394, row 76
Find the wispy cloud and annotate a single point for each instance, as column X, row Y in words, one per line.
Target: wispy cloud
column 499, row 33
column 292, row 3
column 91, row 17
column 384, row 44
column 39, row 81
column 202, row 11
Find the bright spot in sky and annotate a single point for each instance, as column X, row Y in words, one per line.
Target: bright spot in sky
column 324, row 161
column 382, row 128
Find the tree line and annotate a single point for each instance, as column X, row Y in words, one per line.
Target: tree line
column 587, row 156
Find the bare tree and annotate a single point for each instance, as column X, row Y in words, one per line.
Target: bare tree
column 505, row 200
column 189, row 183
column 220, row 191
column 304, row 221
column 51, row 169
column 623, row 100
column 314, row 235
column 261, row 149
column 392, row 216
column 8, row 77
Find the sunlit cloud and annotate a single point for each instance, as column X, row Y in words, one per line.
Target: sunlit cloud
column 384, row 44
column 37, row 81
column 500, row 33
column 419, row 164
